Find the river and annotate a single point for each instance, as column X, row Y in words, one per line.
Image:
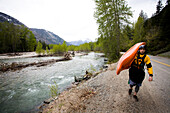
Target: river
column 23, row 90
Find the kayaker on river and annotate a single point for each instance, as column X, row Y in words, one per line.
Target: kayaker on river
column 137, row 72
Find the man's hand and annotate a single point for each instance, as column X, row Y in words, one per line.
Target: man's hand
column 150, row 78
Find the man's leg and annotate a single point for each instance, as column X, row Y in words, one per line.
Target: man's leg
column 130, row 90
column 136, row 91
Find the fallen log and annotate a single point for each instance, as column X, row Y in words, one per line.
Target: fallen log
column 16, row 66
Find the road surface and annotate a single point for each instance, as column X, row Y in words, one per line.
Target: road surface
column 159, row 89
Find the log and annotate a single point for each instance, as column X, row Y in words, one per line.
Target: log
column 15, row 66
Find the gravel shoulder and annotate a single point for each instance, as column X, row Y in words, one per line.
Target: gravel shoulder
column 105, row 93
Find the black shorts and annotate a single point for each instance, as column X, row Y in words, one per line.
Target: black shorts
column 136, row 75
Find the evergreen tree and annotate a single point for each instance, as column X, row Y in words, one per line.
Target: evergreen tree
column 139, row 31
column 157, row 31
column 127, row 36
column 91, row 44
column 97, row 47
column 1, row 38
column 15, row 38
column 167, row 2
column 143, row 15
column 159, row 7
column 44, row 45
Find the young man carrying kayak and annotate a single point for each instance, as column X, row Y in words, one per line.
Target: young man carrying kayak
column 137, row 72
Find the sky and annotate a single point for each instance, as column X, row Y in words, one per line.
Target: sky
column 70, row 19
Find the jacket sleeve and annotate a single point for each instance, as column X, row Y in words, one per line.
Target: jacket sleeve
column 149, row 65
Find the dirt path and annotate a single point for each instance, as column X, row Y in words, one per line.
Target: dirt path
column 107, row 93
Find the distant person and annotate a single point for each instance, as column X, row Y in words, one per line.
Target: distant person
column 137, row 72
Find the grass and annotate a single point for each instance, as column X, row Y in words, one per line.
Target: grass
column 92, row 69
column 54, row 90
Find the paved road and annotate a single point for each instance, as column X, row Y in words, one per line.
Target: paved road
column 159, row 88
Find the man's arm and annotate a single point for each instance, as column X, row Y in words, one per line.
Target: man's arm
column 149, row 68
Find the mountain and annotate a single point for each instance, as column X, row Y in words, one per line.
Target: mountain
column 46, row 36
column 79, row 42
column 4, row 17
column 40, row 34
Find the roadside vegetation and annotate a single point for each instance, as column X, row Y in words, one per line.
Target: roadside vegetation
column 166, row 54
column 54, row 49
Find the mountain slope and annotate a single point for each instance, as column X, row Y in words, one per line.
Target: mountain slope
column 79, row 42
column 158, row 28
column 40, row 34
column 4, row 17
column 46, row 36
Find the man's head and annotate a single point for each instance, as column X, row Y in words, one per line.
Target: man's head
column 142, row 49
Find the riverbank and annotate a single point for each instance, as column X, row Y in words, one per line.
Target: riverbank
column 78, row 98
column 30, row 86
column 18, row 55
column 30, row 54
column 107, row 92
column 20, row 65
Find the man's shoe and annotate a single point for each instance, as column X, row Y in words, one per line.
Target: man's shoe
column 135, row 97
column 130, row 91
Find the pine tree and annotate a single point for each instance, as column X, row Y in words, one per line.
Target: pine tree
column 167, row 2
column 127, row 36
column 159, row 7
column 143, row 15
column 139, row 30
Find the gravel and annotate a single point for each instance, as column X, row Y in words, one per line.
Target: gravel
column 110, row 96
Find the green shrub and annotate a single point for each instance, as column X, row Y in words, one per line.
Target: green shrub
column 54, row 90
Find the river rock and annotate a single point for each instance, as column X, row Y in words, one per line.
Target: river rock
column 46, row 102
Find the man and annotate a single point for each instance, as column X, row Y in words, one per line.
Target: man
column 136, row 71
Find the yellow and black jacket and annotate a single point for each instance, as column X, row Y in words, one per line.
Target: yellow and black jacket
column 136, row 72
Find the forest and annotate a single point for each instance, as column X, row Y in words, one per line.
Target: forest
column 16, row 38
column 116, row 32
